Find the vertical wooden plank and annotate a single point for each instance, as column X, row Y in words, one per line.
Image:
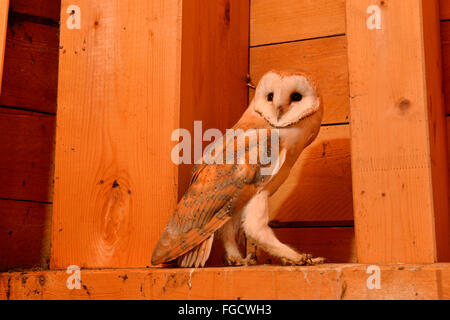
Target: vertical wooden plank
column 445, row 38
column 399, row 157
column 214, row 67
column 118, row 103
column 133, row 73
column 437, row 127
column 4, row 6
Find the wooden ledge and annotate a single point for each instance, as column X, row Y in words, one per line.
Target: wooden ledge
column 329, row 281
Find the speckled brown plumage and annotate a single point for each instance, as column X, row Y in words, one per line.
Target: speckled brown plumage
column 215, row 192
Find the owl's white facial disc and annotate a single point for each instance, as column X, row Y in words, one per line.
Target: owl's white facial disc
column 285, row 100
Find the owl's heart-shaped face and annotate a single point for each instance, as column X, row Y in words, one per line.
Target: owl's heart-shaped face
column 285, row 99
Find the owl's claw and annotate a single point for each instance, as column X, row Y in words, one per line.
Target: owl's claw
column 304, row 260
column 315, row 261
column 251, row 259
column 239, row 261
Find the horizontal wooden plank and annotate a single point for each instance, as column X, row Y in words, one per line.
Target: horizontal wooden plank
column 337, row 245
column 324, row 59
column 274, row 21
column 41, row 8
column 445, row 9
column 24, row 234
column 329, row 281
column 31, row 67
column 319, row 187
column 27, row 151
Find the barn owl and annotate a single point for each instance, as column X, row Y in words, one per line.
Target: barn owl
column 224, row 200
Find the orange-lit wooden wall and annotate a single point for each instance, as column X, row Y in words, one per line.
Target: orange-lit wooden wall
column 313, row 210
column 445, row 37
column 129, row 77
column 27, row 132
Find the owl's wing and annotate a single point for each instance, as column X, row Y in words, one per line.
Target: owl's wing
column 206, row 206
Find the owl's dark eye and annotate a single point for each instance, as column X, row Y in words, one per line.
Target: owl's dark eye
column 270, row 97
column 295, row 97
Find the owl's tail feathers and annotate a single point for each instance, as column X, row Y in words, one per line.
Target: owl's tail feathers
column 198, row 256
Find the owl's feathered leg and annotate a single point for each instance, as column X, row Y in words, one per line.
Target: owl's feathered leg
column 255, row 223
column 229, row 233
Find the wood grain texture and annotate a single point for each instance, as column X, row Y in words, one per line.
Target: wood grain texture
column 335, row 244
column 274, row 21
column 214, row 67
column 115, row 185
column 25, row 229
column 27, row 155
column 40, row 8
column 398, row 195
column 319, row 187
column 329, row 281
column 445, row 38
column 4, row 5
column 324, row 59
column 437, row 127
column 444, row 9
column 31, row 67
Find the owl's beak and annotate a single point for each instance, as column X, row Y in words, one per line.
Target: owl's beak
column 281, row 110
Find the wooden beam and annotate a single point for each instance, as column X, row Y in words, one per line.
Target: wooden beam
column 342, row 281
column 118, row 105
column 4, row 6
column 214, row 66
column 445, row 38
column 273, row 21
column 127, row 79
column 399, row 154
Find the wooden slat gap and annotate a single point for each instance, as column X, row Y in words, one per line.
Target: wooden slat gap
column 335, row 124
column 28, row 201
column 311, row 224
column 28, row 110
column 18, row 17
column 298, row 40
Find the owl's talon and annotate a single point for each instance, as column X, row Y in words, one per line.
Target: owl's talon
column 239, row 261
column 304, row 260
column 251, row 259
column 232, row 260
column 315, row 261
